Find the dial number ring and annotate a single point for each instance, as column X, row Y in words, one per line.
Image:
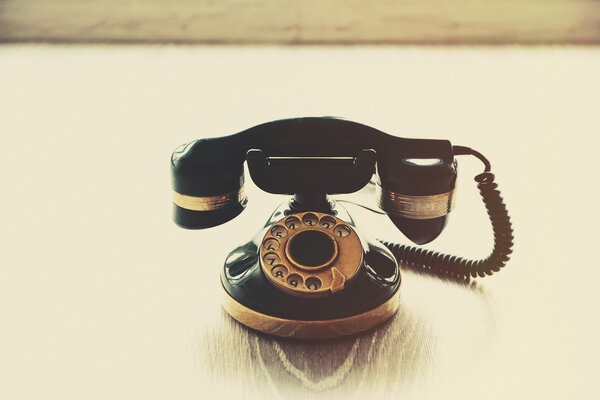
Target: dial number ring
column 291, row 276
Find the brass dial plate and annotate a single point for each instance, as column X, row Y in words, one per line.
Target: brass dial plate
column 292, row 276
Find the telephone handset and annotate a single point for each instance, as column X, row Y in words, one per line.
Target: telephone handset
column 310, row 272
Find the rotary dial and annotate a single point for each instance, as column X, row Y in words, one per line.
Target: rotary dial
column 311, row 254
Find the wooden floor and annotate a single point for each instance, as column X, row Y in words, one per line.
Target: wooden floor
column 103, row 297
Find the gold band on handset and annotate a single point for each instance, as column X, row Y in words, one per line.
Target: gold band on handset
column 209, row 203
column 415, row 207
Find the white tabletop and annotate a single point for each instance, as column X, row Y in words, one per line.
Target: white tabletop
column 103, row 297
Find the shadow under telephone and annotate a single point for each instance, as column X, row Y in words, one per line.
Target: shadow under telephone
column 309, row 272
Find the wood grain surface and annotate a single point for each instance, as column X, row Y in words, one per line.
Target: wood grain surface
column 303, row 21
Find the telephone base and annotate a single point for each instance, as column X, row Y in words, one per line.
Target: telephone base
column 321, row 329
column 311, row 275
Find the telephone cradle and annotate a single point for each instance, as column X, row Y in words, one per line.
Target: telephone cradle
column 310, row 272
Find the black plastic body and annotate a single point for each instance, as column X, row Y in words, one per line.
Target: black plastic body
column 377, row 281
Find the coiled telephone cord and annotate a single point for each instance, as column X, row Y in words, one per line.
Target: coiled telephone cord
column 458, row 267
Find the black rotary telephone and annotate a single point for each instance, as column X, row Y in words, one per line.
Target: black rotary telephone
column 310, row 272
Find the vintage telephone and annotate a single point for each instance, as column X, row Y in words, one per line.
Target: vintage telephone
column 310, row 272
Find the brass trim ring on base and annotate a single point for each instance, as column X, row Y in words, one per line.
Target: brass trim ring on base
column 323, row 329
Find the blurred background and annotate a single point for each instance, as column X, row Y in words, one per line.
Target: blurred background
column 103, row 297
column 302, row 21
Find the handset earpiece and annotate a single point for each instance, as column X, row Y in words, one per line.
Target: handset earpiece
column 417, row 190
column 458, row 267
column 208, row 183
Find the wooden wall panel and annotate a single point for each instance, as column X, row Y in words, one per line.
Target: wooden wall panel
column 303, row 21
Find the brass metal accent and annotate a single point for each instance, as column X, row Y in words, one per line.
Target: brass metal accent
column 415, row 207
column 292, row 222
column 278, row 231
column 322, row 329
column 271, row 244
column 334, row 274
column 209, row 203
column 271, row 259
column 339, row 280
column 317, row 267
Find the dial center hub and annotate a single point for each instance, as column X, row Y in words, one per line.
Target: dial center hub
column 311, row 249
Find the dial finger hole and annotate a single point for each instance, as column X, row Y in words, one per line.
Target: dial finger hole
column 271, row 244
column 310, row 219
column 271, row 259
column 295, row 280
column 279, row 231
column 327, row 222
column 279, row 271
column 292, row 222
column 341, row 230
column 313, row 283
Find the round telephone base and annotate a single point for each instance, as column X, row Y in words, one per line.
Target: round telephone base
column 364, row 297
column 319, row 329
